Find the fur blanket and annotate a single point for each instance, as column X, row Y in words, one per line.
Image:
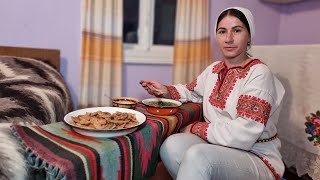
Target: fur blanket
column 31, row 92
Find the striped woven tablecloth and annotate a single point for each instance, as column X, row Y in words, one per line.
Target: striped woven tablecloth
column 60, row 153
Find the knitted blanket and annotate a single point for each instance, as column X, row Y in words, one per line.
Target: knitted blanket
column 31, row 93
column 62, row 153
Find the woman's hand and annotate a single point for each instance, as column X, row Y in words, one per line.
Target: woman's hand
column 186, row 129
column 154, row 88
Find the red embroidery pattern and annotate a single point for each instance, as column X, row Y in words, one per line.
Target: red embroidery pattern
column 223, row 87
column 275, row 174
column 200, row 129
column 191, row 85
column 218, row 67
column 173, row 92
column 254, row 108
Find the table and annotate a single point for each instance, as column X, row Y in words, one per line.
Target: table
column 55, row 151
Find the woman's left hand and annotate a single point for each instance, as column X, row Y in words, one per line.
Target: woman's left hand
column 186, row 129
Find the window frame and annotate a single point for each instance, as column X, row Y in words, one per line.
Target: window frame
column 145, row 52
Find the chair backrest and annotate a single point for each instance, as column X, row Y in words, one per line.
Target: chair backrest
column 298, row 69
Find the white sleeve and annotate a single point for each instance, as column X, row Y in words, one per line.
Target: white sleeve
column 258, row 100
column 193, row 91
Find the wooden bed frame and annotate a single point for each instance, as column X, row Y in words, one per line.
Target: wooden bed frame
column 50, row 56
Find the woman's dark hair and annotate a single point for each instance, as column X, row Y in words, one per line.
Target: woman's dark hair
column 236, row 13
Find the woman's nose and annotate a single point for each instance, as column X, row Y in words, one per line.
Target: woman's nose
column 229, row 37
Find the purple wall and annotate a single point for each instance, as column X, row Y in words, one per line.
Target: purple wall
column 300, row 23
column 266, row 17
column 133, row 73
column 56, row 24
column 45, row 24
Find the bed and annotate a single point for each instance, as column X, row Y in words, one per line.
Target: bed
column 32, row 92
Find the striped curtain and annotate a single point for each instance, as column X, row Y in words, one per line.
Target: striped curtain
column 192, row 49
column 101, row 52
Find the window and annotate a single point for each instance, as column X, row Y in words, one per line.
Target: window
column 148, row 31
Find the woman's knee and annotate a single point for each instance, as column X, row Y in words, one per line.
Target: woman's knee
column 194, row 165
column 171, row 152
column 171, row 146
column 220, row 162
column 177, row 144
column 196, row 154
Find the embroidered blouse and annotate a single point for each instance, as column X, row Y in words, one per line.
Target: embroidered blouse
column 240, row 105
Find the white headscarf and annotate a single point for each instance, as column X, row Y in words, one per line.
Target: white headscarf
column 248, row 16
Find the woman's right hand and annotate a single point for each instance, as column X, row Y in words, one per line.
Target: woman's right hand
column 154, row 88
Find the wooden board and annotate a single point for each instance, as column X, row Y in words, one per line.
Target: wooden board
column 50, row 56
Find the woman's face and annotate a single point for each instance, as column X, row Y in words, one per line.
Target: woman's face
column 232, row 37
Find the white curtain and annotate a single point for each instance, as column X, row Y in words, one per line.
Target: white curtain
column 192, row 49
column 101, row 53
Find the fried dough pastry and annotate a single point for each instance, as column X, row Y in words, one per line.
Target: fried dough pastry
column 105, row 120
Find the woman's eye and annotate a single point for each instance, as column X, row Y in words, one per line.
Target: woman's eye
column 221, row 32
column 237, row 30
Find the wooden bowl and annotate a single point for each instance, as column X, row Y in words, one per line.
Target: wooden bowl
column 161, row 106
column 125, row 102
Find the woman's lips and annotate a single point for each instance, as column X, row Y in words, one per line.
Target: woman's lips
column 229, row 48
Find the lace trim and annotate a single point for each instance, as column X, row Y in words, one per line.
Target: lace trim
column 303, row 161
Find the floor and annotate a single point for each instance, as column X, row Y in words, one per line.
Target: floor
column 161, row 173
column 290, row 174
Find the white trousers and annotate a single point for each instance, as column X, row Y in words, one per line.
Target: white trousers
column 188, row 157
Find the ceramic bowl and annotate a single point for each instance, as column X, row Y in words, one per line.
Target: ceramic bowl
column 125, row 102
column 161, row 106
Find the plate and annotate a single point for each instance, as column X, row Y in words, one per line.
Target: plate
column 164, row 108
column 107, row 133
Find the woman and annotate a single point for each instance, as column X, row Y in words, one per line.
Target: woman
column 241, row 103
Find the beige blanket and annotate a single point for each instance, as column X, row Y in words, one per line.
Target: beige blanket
column 298, row 68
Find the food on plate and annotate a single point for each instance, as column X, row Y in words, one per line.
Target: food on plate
column 161, row 104
column 105, row 120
